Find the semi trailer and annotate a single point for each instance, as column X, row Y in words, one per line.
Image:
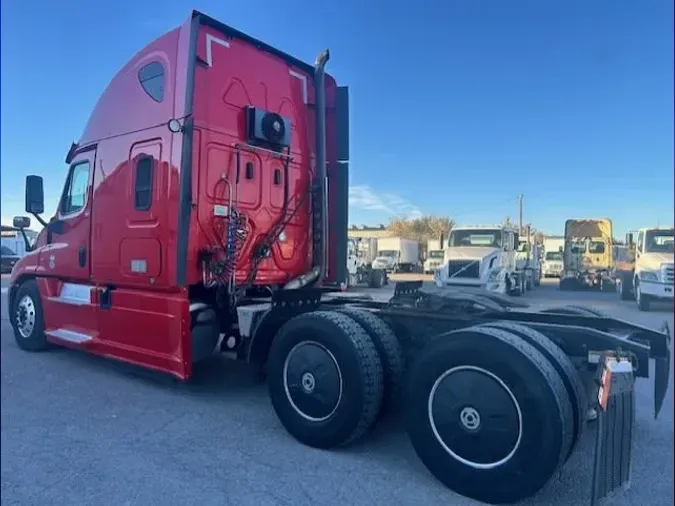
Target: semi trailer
column 204, row 209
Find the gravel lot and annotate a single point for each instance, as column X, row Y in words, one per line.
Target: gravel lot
column 83, row 430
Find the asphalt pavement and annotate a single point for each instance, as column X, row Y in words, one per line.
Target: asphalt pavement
column 85, row 430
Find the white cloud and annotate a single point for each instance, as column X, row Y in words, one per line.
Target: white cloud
column 364, row 197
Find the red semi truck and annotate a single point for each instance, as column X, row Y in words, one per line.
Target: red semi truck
column 205, row 209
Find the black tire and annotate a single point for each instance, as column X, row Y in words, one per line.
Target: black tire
column 388, row 349
column 624, row 287
column 376, row 278
column 563, row 366
column 607, row 285
column 509, row 373
column 643, row 301
column 568, row 284
column 27, row 306
column 339, row 347
column 519, row 287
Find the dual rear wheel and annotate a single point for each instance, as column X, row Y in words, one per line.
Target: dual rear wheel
column 492, row 411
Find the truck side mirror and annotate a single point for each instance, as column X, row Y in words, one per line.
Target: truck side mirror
column 35, row 196
column 629, row 240
column 21, row 222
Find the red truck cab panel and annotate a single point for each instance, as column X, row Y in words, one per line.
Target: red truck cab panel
column 142, row 198
column 231, row 73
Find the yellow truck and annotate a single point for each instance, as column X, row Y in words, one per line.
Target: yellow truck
column 588, row 261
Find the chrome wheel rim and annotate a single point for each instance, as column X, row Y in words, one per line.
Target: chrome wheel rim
column 25, row 316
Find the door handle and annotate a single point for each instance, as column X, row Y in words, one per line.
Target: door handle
column 82, row 256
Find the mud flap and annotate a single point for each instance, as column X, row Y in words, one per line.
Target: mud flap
column 661, row 373
column 615, row 429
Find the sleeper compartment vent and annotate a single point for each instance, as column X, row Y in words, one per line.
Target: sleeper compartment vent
column 267, row 129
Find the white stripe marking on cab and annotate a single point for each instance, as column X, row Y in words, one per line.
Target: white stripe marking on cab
column 210, row 40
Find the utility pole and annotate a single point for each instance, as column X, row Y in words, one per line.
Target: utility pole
column 520, row 214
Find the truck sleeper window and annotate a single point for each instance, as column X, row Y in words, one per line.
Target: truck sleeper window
column 75, row 197
column 143, row 183
column 151, row 78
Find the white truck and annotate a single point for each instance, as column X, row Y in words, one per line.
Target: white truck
column 359, row 269
column 528, row 262
column 13, row 240
column 396, row 254
column 552, row 266
column 482, row 257
column 650, row 276
column 435, row 254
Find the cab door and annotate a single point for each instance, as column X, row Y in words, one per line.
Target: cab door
column 68, row 302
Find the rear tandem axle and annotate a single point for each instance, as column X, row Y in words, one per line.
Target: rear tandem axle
column 495, row 396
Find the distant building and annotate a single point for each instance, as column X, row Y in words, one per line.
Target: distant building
column 366, row 232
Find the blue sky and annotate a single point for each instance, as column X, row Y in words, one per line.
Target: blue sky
column 456, row 106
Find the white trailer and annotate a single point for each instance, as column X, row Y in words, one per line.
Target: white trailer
column 396, row 254
column 552, row 244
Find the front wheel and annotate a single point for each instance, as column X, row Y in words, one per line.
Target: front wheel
column 643, row 300
column 376, row 278
column 27, row 318
column 623, row 287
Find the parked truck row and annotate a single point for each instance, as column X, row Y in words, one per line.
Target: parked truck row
column 642, row 269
